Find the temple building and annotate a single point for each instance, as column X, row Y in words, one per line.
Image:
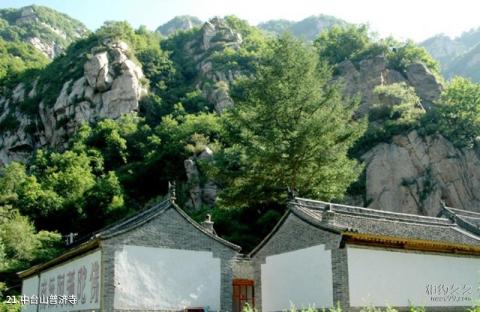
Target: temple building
column 157, row 260
column 318, row 255
column 321, row 254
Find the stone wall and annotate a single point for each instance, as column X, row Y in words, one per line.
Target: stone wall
column 168, row 230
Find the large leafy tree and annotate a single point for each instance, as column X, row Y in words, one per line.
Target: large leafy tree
column 457, row 113
column 290, row 127
column 57, row 190
column 20, row 244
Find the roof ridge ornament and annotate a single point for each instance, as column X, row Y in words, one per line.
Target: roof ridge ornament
column 172, row 191
column 329, row 207
column 292, row 193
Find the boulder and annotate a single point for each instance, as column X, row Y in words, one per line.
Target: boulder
column 96, row 71
column 425, row 83
column 199, row 194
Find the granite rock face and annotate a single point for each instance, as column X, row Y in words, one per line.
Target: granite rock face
column 179, row 23
column 214, row 83
column 110, row 87
column 200, row 193
column 413, row 174
column 425, row 83
column 362, row 78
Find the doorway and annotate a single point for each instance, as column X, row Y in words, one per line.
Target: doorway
column 243, row 293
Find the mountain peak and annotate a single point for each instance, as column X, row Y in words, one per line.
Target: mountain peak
column 179, row 23
column 46, row 29
column 308, row 29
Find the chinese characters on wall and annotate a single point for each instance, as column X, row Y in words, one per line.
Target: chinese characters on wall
column 72, row 286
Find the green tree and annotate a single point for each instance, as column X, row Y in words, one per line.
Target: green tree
column 457, row 113
column 290, row 127
column 57, row 190
column 403, row 54
column 342, row 43
column 20, row 247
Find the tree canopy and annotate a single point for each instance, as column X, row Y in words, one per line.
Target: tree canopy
column 356, row 43
column 289, row 128
column 457, row 113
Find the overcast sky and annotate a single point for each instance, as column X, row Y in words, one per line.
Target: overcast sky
column 416, row 19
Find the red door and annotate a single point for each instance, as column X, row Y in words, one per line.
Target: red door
column 243, row 293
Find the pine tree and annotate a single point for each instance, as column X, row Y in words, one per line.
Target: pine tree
column 290, row 127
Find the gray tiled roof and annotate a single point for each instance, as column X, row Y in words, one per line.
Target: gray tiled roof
column 468, row 220
column 376, row 222
column 91, row 241
column 143, row 217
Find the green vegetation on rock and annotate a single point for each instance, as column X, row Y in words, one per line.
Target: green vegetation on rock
column 356, row 43
column 457, row 113
column 307, row 29
column 48, row 30
column 399, row 111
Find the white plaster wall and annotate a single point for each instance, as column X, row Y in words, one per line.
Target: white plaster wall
column 85, row 263
column 380, row 278
column 30, row 288
column 302, row 277
column 51, row 279
column 166, row 279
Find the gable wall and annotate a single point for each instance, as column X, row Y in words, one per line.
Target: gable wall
column 294, row 237
column 168, row 230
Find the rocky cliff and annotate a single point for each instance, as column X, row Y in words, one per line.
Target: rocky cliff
column 409, row 174
column 413, row 174
column 203, row 49
column 111, row 85
column 362, row 78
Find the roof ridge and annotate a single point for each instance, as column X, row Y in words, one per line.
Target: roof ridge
column 203, row 230
column 342, row 208
column 462, row 220
column 401, row 220
column 477, row 214
column 134, row 215
column 466, row 232
column 134, row 220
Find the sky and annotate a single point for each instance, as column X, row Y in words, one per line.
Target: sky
column 403, row 19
